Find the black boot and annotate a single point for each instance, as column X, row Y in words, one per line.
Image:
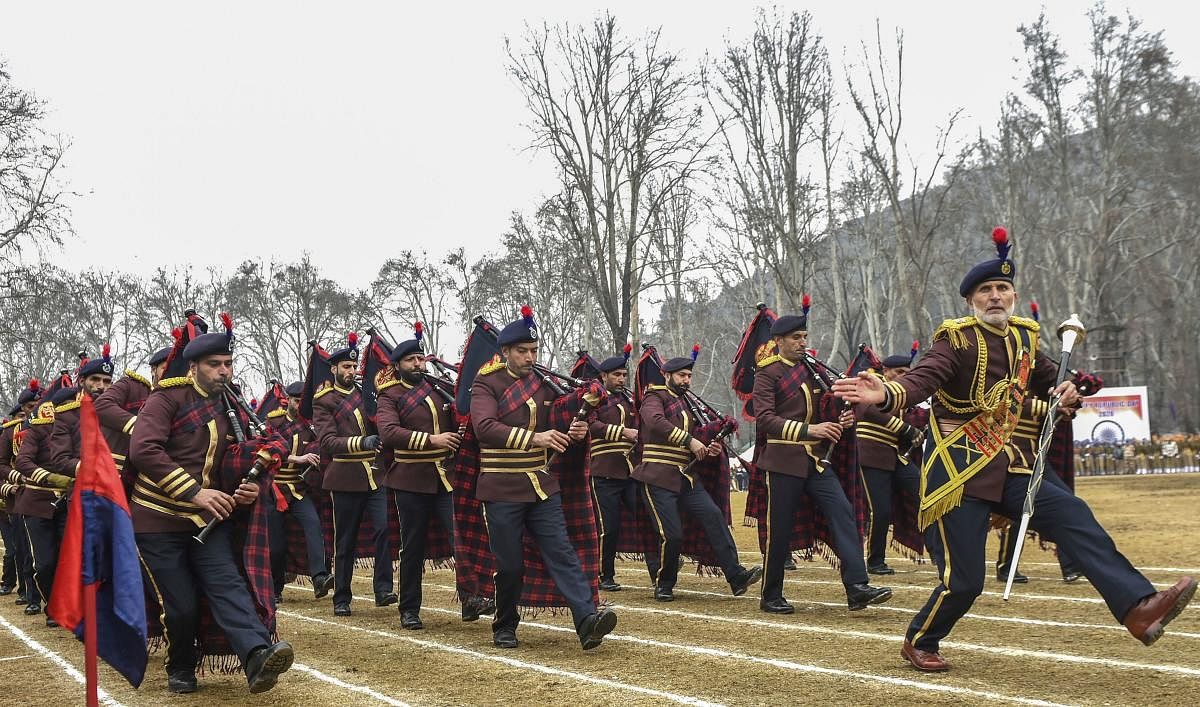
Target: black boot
column 594, row 628
column 776, row 606
column 411, row 620
column 740, row 582
column 181, row 683
column 859, row 596
column 265, row 664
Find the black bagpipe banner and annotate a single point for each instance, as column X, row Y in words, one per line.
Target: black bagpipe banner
column 756, row 345
column 316, row 376
column 376, row 370
column 585, row 366
column 481, row 348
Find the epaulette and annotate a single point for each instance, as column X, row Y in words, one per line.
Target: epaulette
column 322, row 391
column 277, row 412
column 657, row 387
column 1025, row 323
column 491, row 366
column 137, row 377
column 384, row 386
column 951, row 329
column 66, row 406
column 176, row 382
column 769, row 360
column 10, row 423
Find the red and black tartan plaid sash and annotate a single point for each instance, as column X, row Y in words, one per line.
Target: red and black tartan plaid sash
column 195, row 414
column 474, row 563
column 674, row 405
column 789, row 383
column 348, row 404
column 412, row 397
column 516, row 394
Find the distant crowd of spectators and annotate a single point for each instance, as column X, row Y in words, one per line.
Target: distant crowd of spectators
column 1161, row 454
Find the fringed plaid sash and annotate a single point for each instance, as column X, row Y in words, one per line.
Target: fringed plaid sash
column 195, row 415
column 474, row 564
column 413, row 397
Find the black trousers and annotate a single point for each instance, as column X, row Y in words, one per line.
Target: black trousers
column 1059, row 516
column 666, row 508
column 22, row 557
column 416, row 510
column 784, row 495
column 8, row 571
column 349, row 508
column 45, row 536
column 1008, row 539
column 881, row 484
column 182, row 570
column 507, row 522
column 305, row 514
column 616, row 503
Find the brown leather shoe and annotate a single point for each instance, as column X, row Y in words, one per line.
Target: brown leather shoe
column 1149, row 616
column 921, row 660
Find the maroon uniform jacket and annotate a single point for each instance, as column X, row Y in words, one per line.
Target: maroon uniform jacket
column 407, row 417
column 178, row 444
column 64, row 439
column 300, row 440
column 610, row 451
column 117, row 409
column 510, row 467
column 961, row 371
column 338, row 419
column 33, row 463
column 666, row 430
column 10, row 479
column 880, row 437
column 783, row 414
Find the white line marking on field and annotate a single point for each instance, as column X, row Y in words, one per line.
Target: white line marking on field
column 794, row 666
column 817, row 563
column 582, row 677
column 16, row 657
column 58, row 660
column 903, row 610
column 888, row 638
column 347, row 686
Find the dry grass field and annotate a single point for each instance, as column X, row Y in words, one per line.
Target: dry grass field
column 1053, row 643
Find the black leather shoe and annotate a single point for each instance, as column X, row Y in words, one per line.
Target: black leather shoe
column 51, row 623
column 21, row 600
column 1018, row 578
column 5, row 590
column 181, row 683
column 776, row 606
column 739, row 584
column 386, row 599
column 790, row 564
column 411, row 620
column 663, row 594
column 505, row 638
column 859, row 596
column 322, row 583
column 880, row 569
column 608, row 585
column 341, row 609
column 1071, row 576
column 475, row 607
column 595, row 627
column 32, row 608
column 265, row 664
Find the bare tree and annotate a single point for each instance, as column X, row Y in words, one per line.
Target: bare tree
column 617, row 116
column 410, row 288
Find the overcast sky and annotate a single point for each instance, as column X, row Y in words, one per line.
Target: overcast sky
column 211, row 132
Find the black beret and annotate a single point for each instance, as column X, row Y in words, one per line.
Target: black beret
column 678, row 363
column 521, row 331
column 63, row 395
column 897, row 361
column 294, row 389
column 999, row 268
column 613, row 363
column 788, row 323
column 406, row 348
column 160, row 356
column 207, row 345
column 103, row 366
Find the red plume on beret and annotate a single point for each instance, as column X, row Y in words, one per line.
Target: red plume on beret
column 912, row 353
column 805, row 303
column 418, row 330
column 352, row 339
column 1034, row 311
column 695, row 351
column 227, row 321
column 1000, row 238
column 34, row 385
column 105, row 352
column 527, row 315
column 627, row 349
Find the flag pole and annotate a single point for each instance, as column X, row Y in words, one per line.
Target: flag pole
column 89, row 643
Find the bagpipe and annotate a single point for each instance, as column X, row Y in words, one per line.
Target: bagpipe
column 825, row 376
